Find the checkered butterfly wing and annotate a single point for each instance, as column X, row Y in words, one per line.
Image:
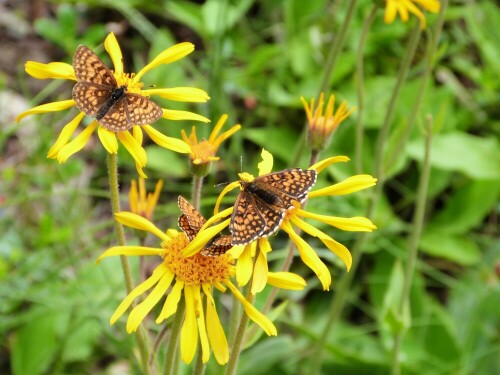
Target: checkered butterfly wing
column 288, row 185
column 97, row 94
column 191, row 221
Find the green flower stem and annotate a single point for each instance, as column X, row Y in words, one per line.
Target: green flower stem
column 424, row 81
column 240, row 335
column 172, row 348
column 360, row 89
column 329, row 67
column 339, row 299
column 199, row 368
column 418, row 220
column 141, row 336
column 196, row 194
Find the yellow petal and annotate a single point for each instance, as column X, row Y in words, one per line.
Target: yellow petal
column 202, row 330
column 286, row 280
column 204, row 235
column 348, row 186
column 138, row 222
column 168, row 56
column 259, row 318
column 350, row 224
column 179, row 94
column 320, row 165
column 113, row 48
column 227, row 189
column 133, row 147
column 65, row 135
column 309, row 257
column 216, row 334
column 175, row 115
column 225, row 136
column 138, row 290
column 129, row 250
column 336, row 247
column 108, row 140
column 244, row 266
column 54, row 70
column 170, row 143
column 76, row 144
column 142, row 309
column 217, row 128
column 259, row 280
column 173, row 298
column 266, row 165
column 46, row 108
column 390, row 12
column 189, row 334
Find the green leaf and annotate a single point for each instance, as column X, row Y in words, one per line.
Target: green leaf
column 262, row 136
column 166, row 161
column 467, row 207
column 457, row 248
column 476, row 157
column 35, row 344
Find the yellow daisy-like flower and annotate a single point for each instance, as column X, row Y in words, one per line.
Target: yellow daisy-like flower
column 142, row 203
column 322, row 124
column 203, row 152
column 405, row 7
column 194, row 278
column 294, row 216
column 132, row 141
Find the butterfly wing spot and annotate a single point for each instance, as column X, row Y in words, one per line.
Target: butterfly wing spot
column 218, row 246
column 194, row 217
column 142, row 110
column 184, row 225
column 116, row 118
column 246, row 224
column 89, row 67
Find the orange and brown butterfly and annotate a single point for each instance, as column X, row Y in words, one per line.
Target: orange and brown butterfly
column 262, row 203
column 97, row 95
column 191, row 221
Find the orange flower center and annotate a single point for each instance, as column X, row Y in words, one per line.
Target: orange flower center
column 126, row 79
column 197, row 269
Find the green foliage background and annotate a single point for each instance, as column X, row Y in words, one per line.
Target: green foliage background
column 256, row 59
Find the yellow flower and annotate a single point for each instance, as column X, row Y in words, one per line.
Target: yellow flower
column 141, row 203
column 132, row 141
column 404, row 7
column 203, row 153
column 323, row 124
column 244, row 254
column 193, row 277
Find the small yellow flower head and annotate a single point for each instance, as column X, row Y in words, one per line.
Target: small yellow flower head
column 142, row 203
column 203, row 152
column 322, row 124
column 404, row 7
column 131, row 139
column 178, row 276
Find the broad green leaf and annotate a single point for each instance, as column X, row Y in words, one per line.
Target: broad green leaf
column 476, row 157
column 457, row 248
column 467, row 207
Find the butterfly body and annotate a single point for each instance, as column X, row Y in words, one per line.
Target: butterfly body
column 98, row 95
column 262, row 203
column 191, row 221
column 115, row 96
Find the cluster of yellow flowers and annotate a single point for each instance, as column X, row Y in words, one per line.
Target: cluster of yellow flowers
column 115, row 100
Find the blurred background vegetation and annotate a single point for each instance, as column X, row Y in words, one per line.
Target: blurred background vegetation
column 255, row 59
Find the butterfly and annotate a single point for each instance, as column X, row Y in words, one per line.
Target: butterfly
column 98, row 95
column 191, row 222
column 262, row 204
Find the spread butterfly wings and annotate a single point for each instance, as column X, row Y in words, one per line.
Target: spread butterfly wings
column 261, row 205
column 97, row 94
column 191, row 221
